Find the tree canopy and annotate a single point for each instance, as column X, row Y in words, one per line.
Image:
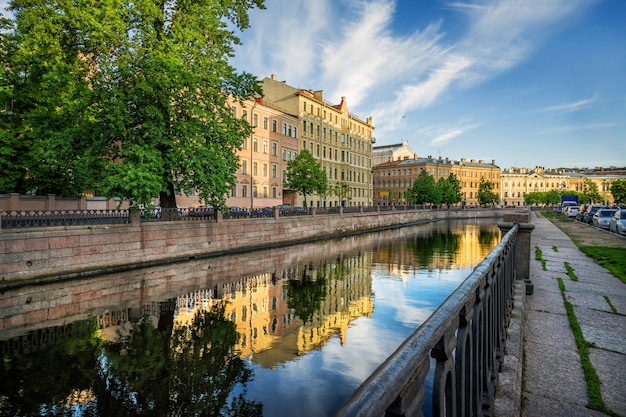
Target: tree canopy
column 128, row 99
column 424, row 190
column 486, row 195
column 618, row 189
column 306, row 176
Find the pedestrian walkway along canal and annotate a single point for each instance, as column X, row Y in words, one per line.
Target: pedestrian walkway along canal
column 282, row 332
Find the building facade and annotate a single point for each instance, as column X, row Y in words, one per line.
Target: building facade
column 393, row 178
column 340, row 141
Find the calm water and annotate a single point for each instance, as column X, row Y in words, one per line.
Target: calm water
column 285, row 332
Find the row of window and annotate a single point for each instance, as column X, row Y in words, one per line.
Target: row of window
column 349, row 157
column 287, row 129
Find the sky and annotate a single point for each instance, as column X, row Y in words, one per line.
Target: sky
column 523, row 82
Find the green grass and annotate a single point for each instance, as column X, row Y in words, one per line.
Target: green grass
column 608, row 301
column 591, row 377
column 570, row 272
column 554, row 248
column 539, row 257
column 613, row 259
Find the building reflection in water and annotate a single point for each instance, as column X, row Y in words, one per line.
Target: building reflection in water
column 282, row 302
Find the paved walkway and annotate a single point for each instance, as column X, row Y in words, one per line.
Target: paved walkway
column 554, row 383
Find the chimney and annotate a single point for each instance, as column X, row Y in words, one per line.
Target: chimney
column 273, row 77
column 482, row 161
column 473, row 161
column 463, row 160
column 319, row 94
column 493, row 162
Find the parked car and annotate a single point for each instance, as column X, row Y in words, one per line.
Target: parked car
column 202, row 211
column 235, row 212
column 602, row 218
column 618, row 222
column 571, row 211
column 155, row 212
column 590, row 211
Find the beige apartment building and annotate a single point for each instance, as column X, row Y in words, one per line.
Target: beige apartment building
column 264, row 155
column 517, row 182
column 393, row 178
column 339, row 140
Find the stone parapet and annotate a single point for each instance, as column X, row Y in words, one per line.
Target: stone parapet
column 63, row 252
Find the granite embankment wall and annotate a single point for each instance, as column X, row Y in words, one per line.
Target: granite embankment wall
column 37, row 255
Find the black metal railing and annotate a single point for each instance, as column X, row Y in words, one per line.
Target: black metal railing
column 463, row 341
column 44, row 218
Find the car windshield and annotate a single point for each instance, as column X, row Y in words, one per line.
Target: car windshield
column 606, row 213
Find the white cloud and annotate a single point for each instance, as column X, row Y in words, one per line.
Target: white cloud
column 574, row 106
column 357, row 54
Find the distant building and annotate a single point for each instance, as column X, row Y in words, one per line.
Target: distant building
column 339, row 140
column 385, row 153
column 393, row 178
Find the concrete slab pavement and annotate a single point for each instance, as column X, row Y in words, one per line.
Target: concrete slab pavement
column 553, row 378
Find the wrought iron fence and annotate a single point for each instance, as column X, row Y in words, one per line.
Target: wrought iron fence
column 44, row 218
column 464, row 343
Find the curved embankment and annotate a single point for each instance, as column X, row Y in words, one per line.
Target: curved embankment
column 38, row 255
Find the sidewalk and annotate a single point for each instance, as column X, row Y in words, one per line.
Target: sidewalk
column 554, row 383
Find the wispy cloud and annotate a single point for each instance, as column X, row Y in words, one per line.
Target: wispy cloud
column 357, row 53
column 440, row 134
column 574, row 106
column 579, row 127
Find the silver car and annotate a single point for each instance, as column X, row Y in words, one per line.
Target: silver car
column 618, row 222
column 602, row 218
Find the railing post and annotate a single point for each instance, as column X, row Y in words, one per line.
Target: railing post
column 522, row 251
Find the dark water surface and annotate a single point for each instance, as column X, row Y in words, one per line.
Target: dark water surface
column 283, row 332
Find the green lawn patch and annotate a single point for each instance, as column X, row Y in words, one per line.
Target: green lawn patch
column 613, row 259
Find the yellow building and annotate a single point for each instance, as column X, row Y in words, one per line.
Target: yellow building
column 393, row 178
column 517, row 182
column 340, row 141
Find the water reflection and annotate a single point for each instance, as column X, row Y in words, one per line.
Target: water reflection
column 275, row 332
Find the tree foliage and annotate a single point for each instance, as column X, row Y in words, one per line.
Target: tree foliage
column 450, row 189
column 127, row 98
column 486, row 195
column 424, row 190
column 618, row 190
column 591, row 192
column 306, row 176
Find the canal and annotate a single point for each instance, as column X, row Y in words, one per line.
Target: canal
column 281, row 332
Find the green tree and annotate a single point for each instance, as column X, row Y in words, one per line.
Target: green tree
column 131, row 99
column 341, row 191
column 618, row 190
column 486, row 194
column 450, row 189
column 535, row 197
column 424, row 190
column 591, row 192
column 305, row 175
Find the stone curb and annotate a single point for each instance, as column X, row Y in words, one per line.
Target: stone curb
column 508, row 401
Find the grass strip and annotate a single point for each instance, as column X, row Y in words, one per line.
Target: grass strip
column 591, row 377
column 539, row 257
column 570, row 272
column 608, row 301
column 554, row 248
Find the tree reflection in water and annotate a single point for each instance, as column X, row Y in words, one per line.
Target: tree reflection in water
column 163, row 370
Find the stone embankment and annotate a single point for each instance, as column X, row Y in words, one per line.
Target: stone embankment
column 38, row 255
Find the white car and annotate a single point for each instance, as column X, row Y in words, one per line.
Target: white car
column 618, row 222
column 571, row 211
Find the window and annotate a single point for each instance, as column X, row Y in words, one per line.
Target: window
column 244, row 114
column 274, row 192
column 274, row 170
column 274, row 149
column 285, row 129
column 244, row 166
column 244, row 144
column 274, row 126
column 244, row 190
column 265, row 169
column 265, row 146
column 255, row 119
column 255, row 168
column 265, row 122
column 255, row 144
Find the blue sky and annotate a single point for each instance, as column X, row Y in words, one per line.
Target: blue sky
column 525, row 82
